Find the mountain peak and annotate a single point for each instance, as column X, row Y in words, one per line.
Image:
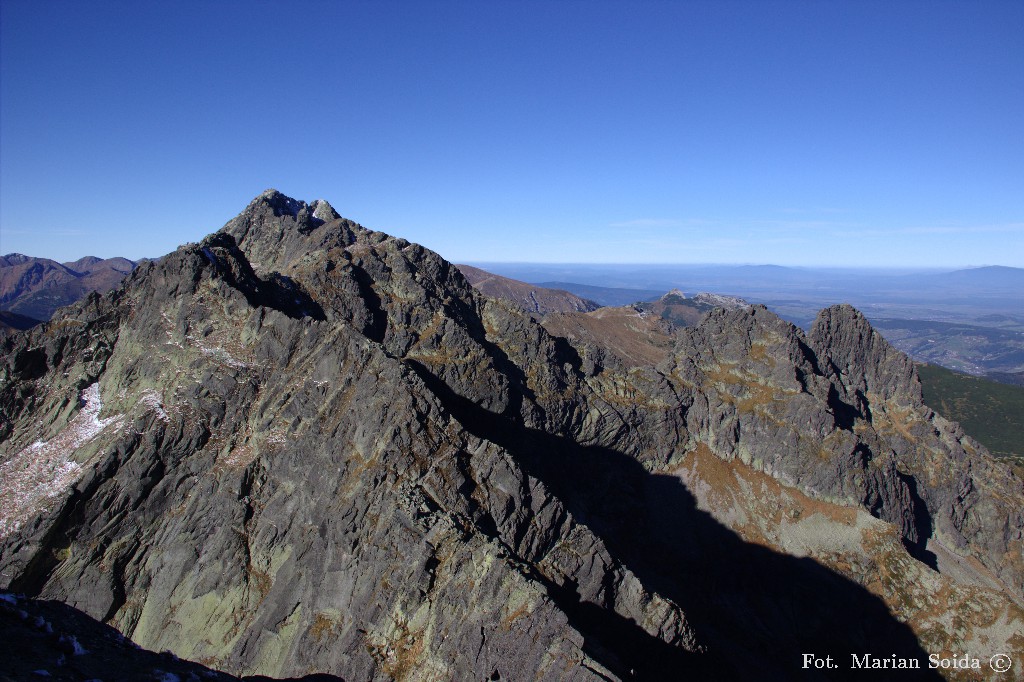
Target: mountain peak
column 866, row 360
column 324, row 211
column 15, row 259
column 275, row 229
column 281, row 203
column 284, row 205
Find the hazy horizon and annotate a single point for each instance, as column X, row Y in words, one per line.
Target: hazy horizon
column 482, row 264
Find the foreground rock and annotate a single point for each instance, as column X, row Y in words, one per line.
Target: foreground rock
column 302, row 446
column 48, row 640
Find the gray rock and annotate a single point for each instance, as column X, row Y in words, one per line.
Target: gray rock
column 321, row 450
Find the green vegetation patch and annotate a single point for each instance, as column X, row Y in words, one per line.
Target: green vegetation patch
column 991, row 412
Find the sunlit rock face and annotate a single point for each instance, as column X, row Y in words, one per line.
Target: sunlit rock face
column 303, row 446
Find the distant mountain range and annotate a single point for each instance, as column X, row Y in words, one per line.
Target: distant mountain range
column 967, row 291
column 991, row 277
column 531, row 298
column 37, row 287
column 685, row 311
column 970, row 320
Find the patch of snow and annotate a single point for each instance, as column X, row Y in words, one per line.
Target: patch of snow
column 217, row 353
column 46, row 469
column 151, row 399
column 170, row 326
column 41, row 673
column 223, row 356
column 209, row 255
column 9, row 598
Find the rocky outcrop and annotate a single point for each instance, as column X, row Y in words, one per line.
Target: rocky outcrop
column 862, row 359
column 681, row 310
column 719, row 300
column 316, row 448
column 839, row 414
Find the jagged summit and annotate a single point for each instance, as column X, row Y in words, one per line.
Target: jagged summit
column 866, row 361
column 274, row 230
column 324, row 211
column 283, row 204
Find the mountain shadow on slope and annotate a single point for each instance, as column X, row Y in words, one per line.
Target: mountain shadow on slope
column 14, row 322
column 757, row 611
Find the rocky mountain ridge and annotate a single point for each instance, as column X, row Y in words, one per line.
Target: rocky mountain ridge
column 309, row 447
column 529, row 297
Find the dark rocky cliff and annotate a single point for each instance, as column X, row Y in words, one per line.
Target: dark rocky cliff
column 302, row 446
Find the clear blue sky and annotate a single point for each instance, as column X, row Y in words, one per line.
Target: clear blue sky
column 813, row 133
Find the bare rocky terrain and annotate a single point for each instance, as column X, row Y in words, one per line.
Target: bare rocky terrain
column 304, row 447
